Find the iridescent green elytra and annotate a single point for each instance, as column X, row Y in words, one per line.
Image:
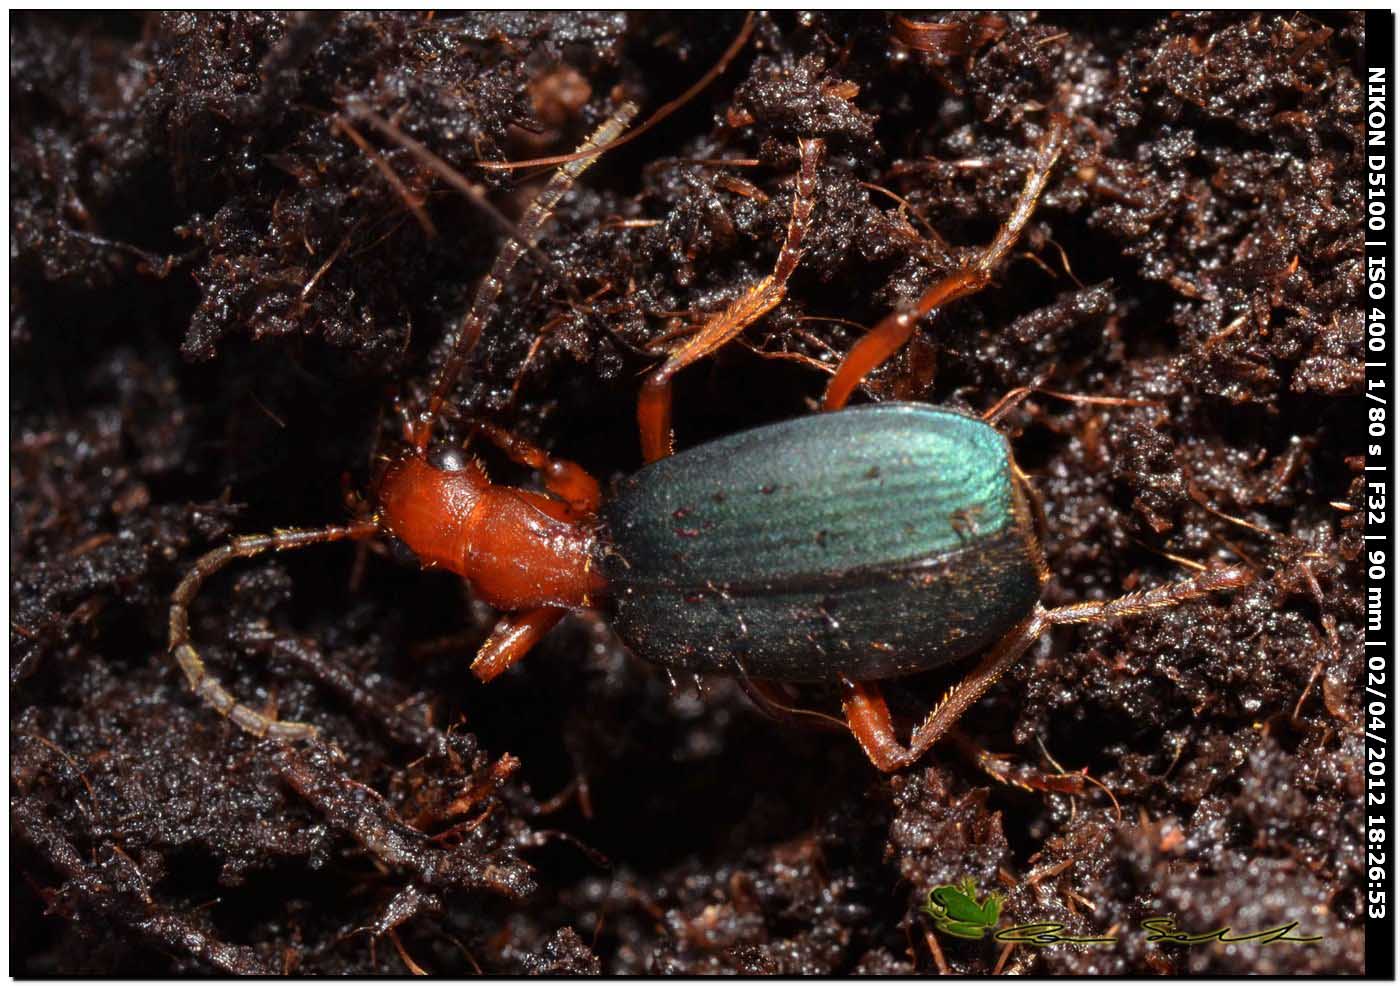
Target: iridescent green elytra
column 871, row 542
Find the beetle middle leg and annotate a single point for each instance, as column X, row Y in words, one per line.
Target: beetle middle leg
column 768, row 699
column 654, row 403
column 868, row 717
column 894, row 330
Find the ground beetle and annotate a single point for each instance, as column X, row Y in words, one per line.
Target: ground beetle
column 848, row 547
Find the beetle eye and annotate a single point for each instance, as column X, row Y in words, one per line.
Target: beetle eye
column 447, row 459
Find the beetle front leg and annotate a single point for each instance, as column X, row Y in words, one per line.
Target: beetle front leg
column 567, row 480
column 869, row 718
column 514, row 637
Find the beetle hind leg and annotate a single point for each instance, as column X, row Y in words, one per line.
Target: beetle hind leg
column 1162, row 597
column 868, row 717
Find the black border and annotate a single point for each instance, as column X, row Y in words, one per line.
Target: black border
column 1379, row 555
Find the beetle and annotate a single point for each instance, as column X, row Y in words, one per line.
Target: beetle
column 832, row 547
column 852, row 546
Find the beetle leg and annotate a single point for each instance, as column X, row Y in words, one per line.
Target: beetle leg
column 524, row 238
column 654, row 402
column 869, row 718
column 769, row 699
column 1004, row 770
column 1162, row 597
column 1015, row 396
column 567, row 480
column 513, row 638
column 894, row 330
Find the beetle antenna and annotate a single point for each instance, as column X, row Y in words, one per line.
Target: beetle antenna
column 489, row 291
column 430, row 160
column 716, row 70
column 201, row 681
column 413, row 202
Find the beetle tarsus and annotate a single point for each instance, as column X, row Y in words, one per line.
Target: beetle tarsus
column 1148, row 600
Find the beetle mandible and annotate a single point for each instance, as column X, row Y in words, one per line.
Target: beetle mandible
column 851, row 546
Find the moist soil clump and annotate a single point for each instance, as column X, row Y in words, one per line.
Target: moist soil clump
column 217, row 297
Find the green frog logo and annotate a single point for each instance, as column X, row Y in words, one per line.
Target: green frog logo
column 956, row 911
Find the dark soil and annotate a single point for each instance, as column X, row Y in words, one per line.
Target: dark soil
column 216, row 297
